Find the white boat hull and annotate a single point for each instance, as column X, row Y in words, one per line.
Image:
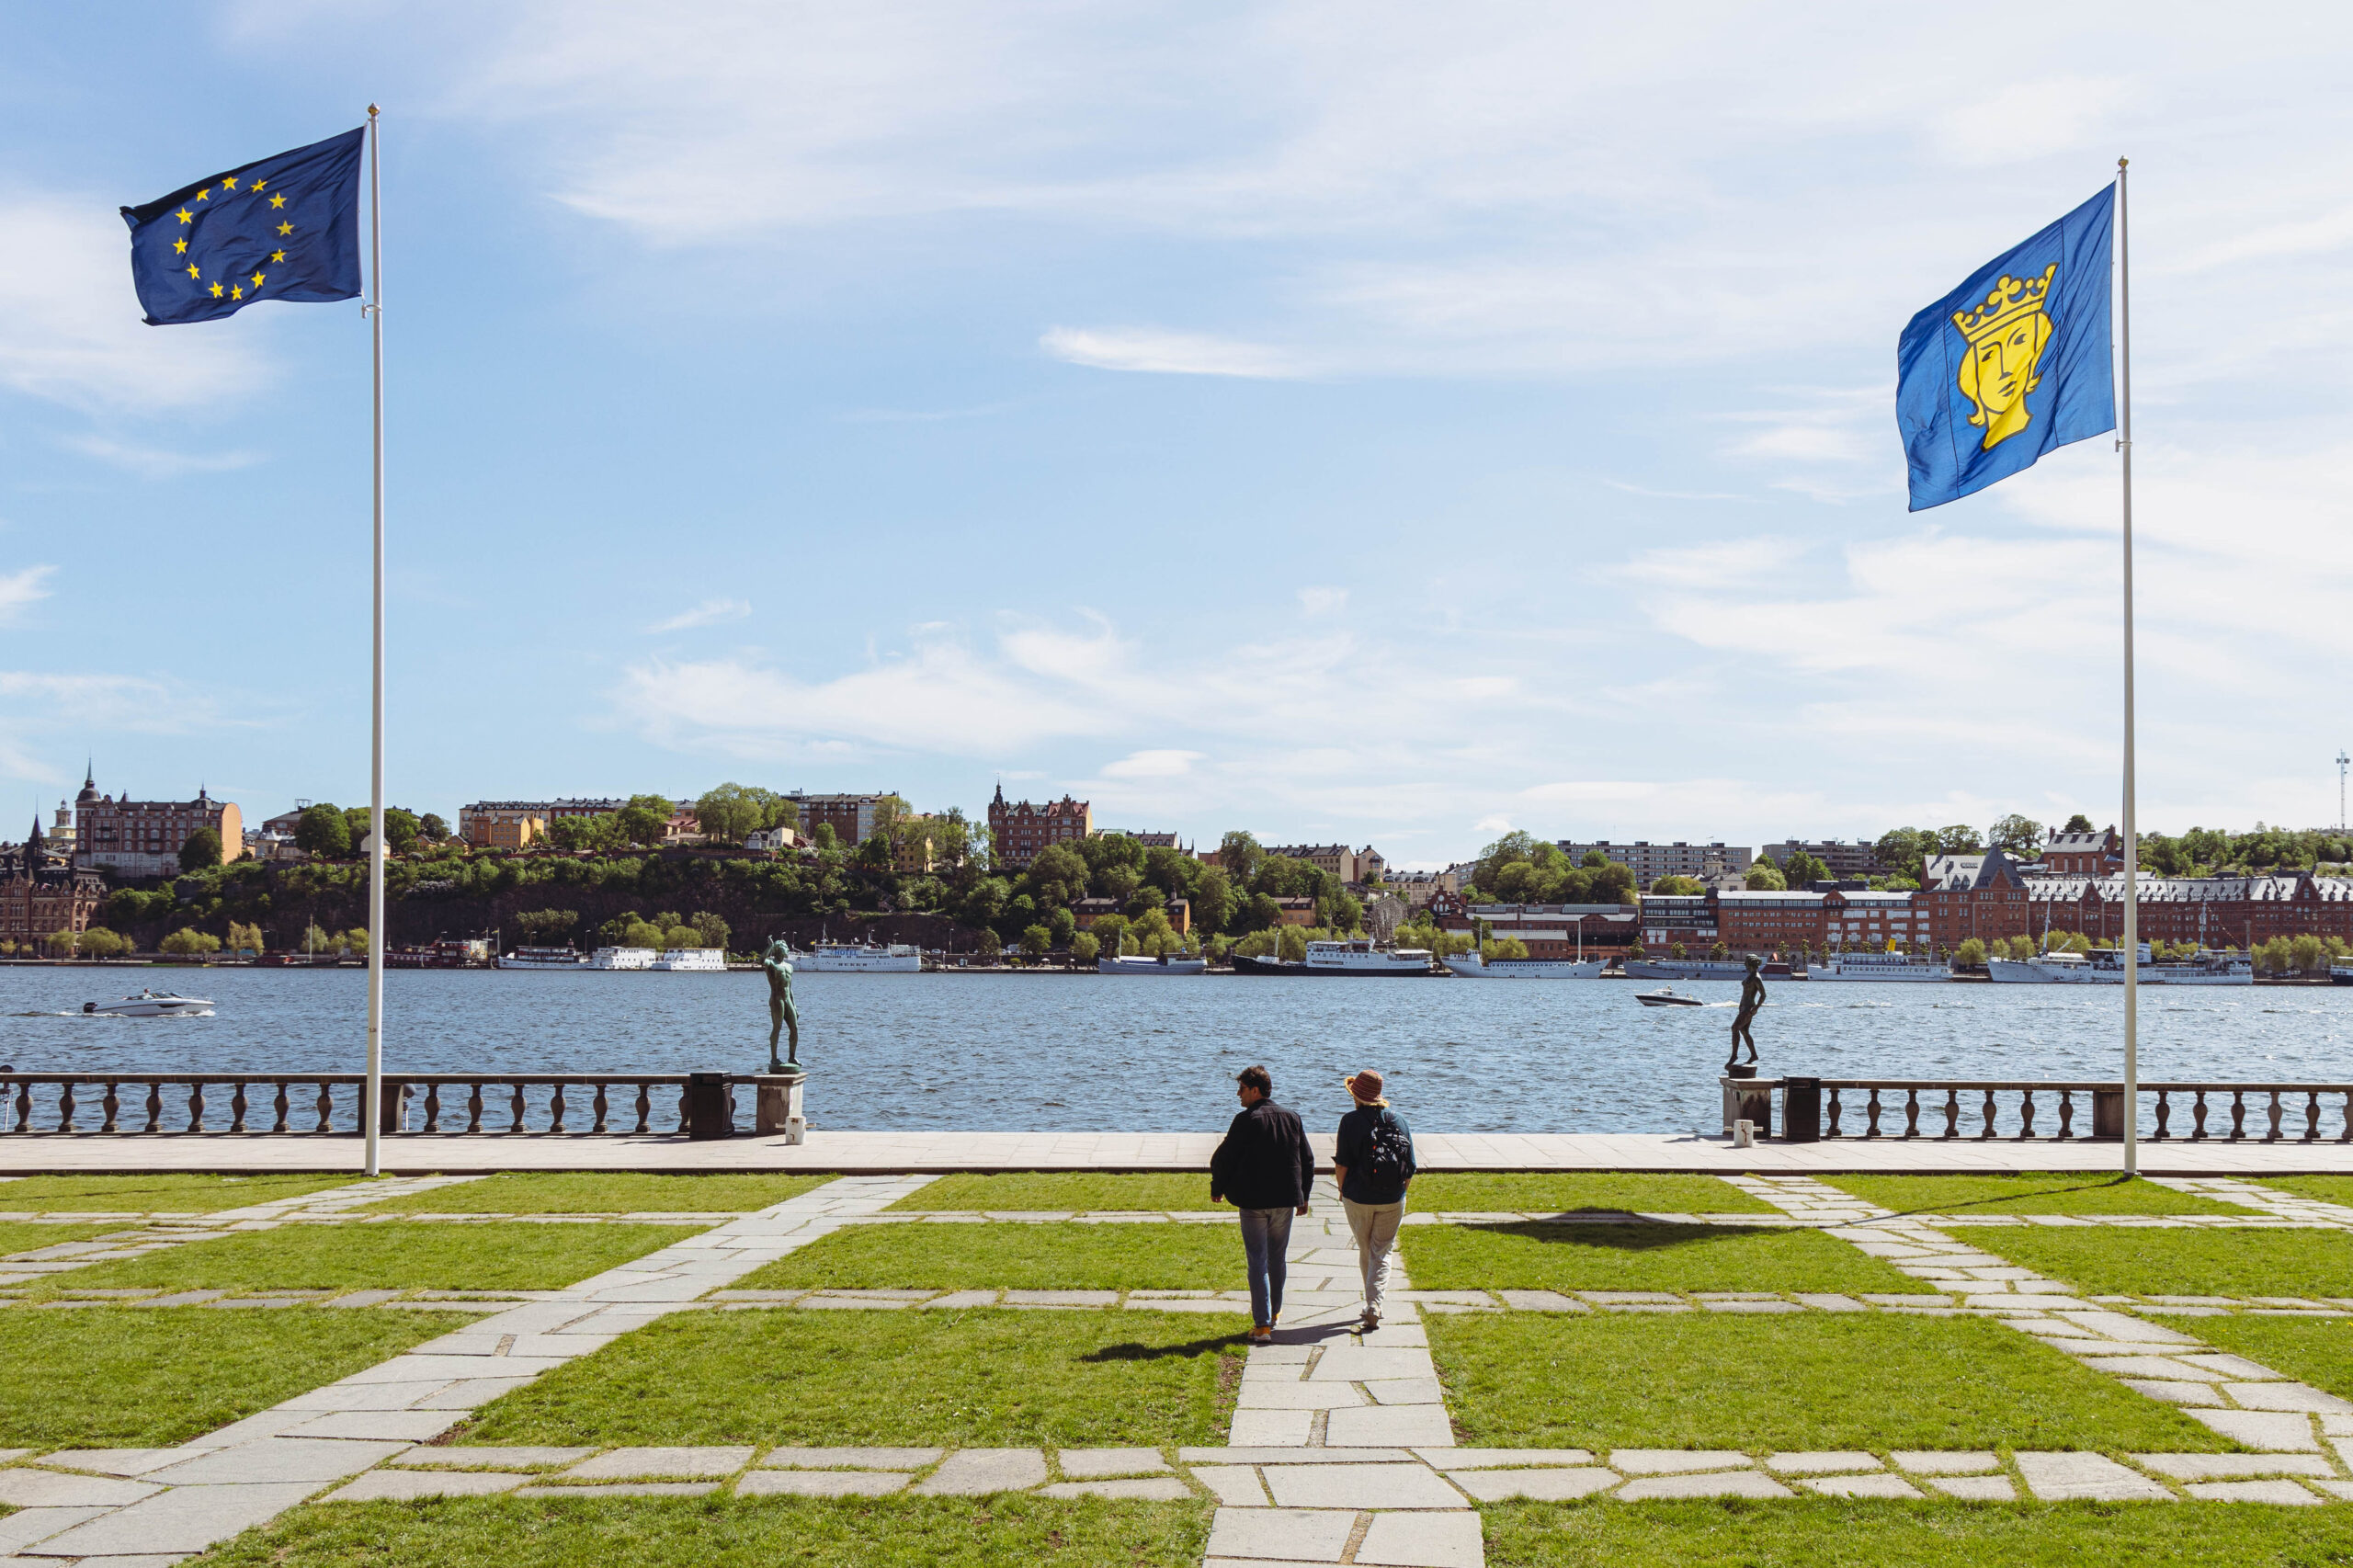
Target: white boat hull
column 163, row 1007
column 1908, row 969
column 1471, row 966
column 2030, row 971
column 526, row 959
column 829, row 958
column 698, row 960
column 1151, row 966
column 1686, row 969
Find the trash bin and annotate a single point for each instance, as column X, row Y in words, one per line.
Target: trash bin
column 711, row 1112
column 1801, row 1110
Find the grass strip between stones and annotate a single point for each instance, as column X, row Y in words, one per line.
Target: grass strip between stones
column 31, row 1235
column 393, row 1255
column 977, row 1379
column 729, row 1532
column 1043, row 1257
column 1563, row 1192
column 1075, row 1192
column 1536, row 1254
column 2317, row 1350
column 116, row 1377
column 2216, row 1261
column 164, row 1192
column 1836, row 1533
column 2324, row 1188
column 1799, row 1382
column 2028, row 1192
column 604, row 1192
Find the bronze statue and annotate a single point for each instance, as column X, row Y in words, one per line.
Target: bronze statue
column 1752, row 996
column 778, row 963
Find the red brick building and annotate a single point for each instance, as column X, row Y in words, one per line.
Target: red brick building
column 1550, row 930
column 143, row 839
column 1019, row 830
column 2098, row 853
column 41, row 891
column 1973, row 896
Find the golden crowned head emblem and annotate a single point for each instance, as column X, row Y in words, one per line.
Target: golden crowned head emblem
column 2006, row 336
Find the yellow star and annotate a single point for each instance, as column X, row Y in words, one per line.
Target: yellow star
column 186, row 216
column 216, row 290
column 257, row 281
column 229, row 182
column 204, row 195
column 277, row 256
column 286, row 228
column 192, row 272
column 255, row 186
column 236, row 293
column 179, row 247
column 275, row 201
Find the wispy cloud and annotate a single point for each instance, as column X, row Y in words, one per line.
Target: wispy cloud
column 710, row 612
column 21, row 589
column 1323, row 601
column 1169, row 353
column 155, row 462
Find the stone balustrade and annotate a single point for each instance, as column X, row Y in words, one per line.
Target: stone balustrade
column 1989, row 1109
column 46, row 1104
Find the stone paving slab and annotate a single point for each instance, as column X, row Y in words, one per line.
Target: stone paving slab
column 1424, row 1540
column 1722, row 1484
column 186, row 1518
column 976, row 1472
column 109, row 1461
column 1395, row 1426
column 624, row 1489
column 2063, row 1477
column 1358, row 1486
column 1292, row 1535
column 50, row 1489
column 1553, row 1485
column 1090, row 1464
column 310, row 1460
column 407, row 1485
column 29, row 1526
column 1820, row 1464
column 820, row 1484
column 1880, row 1484
column 514, row 1457
column 2276, row 1432
column 1140, row 1489
column 1676, row 1462
column 851, row 1458
column 630, row 1464
column 1975, row 1488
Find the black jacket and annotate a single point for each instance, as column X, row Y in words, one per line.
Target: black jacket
column 1356, row 1133
column 1265, row 1162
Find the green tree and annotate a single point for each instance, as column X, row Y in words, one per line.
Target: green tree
column 645, row 820
column 1958, row 839
column 2077, row 824
column 1037, row 941
column 431, row 828
column 732, row 813
column 1084, row 948
column 401, row 829
column 244, row 938
column 1684, row 886
column 1906, row 851
column 97, row 942
column 323, row 831
column 1212, row 899
column 355, row 941
column 541, row 927
column 1762, row 877
column 1239, row 855
column 1970, row 954
column 201, row 849
column 1503, row 948
column 315, row 942
column 1290, row 945
column 2018, row 837
column 1058, row 876
column 711, row 930
column 184, row 942
column 825, row 838
column 1803, row 870
column 1111, row 932
column 988, row 943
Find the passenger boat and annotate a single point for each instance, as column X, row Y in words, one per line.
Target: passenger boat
column 623, row 957
column 1162, row 965
column 1471, row 966
column 1664, row 996
column 2341, row 972
column 150, row 1005
column 1346, row 960
column 543, row 958
column 701, row 960
column 859, row 958
column 1686, row 969
column 2107, row 969
column 1880, row 966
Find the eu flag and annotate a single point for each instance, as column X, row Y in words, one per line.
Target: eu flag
column 2012, row 364
column 283, row 228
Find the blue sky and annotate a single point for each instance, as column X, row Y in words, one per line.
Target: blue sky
column 1362, row 422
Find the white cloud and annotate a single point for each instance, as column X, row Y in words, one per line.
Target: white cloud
column 1323, row 601
column 155, row 462
column 1168, row 353
column 21, row 589
column 1161, row 764
column 710, row 612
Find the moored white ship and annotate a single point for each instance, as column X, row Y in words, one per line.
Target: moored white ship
column 701, row 960
column 543, row 958
column 623, row 957
column 1686, row 969
column 1880, row 966
column 1345, row 959
column 1165, row 964
column 2106, row 968
column 1472, row 966
column 859, row 958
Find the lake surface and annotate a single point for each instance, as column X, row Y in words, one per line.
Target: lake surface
column 1038, row 1051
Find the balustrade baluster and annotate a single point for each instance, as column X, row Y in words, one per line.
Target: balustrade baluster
column 196, row 1106
column 1952, row 1114
column 66, row 1107
column 555, row 1108
column 2026, row 1114
column 25, row 1106
column 2311, row 1117
column 155, row 1107
column 516, row 1107
column 2347, row 1136
column 279, row 1108
column 473, row 1109
column 433, row 1108
column 1911, row 1113
column 644, row 1107
column 327, row 1106
column 110, row 1104
column 1989, row 1115
column 237, row 1108
column 2238, row 1116
column 2199, row 1113
column 2066, row 1113
column 1874, row 1111
column 2273, row 1136
column 682, row 1108
column 600, row 1109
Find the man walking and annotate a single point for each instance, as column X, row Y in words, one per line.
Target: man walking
column 1265, row 1169
column 1373, row 1162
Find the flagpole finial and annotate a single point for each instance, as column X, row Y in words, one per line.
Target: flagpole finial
column 371, row 112
column 2119, row 163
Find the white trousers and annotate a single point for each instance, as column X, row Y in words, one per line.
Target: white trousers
column 1374, row 1226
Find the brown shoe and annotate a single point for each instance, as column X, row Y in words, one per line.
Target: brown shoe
column 1262, row 1333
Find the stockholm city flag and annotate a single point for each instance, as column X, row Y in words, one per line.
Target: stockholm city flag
column 2012, row 364
column 282, row 228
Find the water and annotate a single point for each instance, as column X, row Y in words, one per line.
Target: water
column 1040, row 1052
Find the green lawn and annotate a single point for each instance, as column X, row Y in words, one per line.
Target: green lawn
column 1825, row 1533
column 2327, row 1189
column 2317, row 1350
column 723, row 1532
column 1562, row 1192
column 395, row 1255
column 126, row 1377
column 2108, row 1261
column 1077, row 1192
column 604, row 1192
column 1815, row 1381
column 166, row 1192
column 1536, row 1256
column 30, row 1235
column 2028, row 1192
column 987, row 1379
column 1016, row 1256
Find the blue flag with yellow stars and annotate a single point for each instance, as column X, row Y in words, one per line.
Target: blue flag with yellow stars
column 2012, row 364
column 283, row 228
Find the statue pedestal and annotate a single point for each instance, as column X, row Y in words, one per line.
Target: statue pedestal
column 780, row 1106
column 1749, row 1099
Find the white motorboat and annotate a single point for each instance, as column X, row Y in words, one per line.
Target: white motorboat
column 702, row 959
column 1163, row 965
column 150, row 1005
column 2106, row 968
column 1880, row 966
column 543, row 958
column 1344, row 958
column 859, row 958
column 623, row 957
column 1472, row 966
column 1664, row 996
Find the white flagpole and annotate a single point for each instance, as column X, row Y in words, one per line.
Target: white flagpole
column 372, row 1107
column 2131, row 827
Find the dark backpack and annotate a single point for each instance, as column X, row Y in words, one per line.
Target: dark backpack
column 1383, row 1165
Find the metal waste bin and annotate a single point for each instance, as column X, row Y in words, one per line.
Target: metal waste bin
column 711, row 1112
column 1801, row 1110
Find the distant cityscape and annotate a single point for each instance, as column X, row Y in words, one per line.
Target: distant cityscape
column 1911, row 890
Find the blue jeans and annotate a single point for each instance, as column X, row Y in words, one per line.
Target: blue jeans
column 1265, row 1233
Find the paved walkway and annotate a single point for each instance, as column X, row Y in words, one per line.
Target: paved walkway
column 939, row 1151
